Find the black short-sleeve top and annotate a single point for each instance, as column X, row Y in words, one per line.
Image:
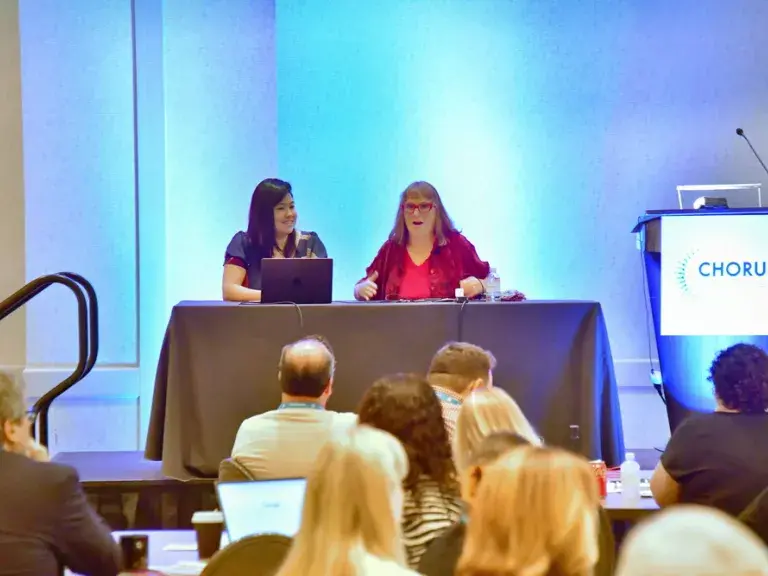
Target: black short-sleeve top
column 239, row 253
column 719, row 459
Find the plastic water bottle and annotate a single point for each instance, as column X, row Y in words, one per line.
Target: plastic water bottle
column 493, row 286
column 630, row 478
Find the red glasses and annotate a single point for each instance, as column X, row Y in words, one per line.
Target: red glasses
column 411, row 207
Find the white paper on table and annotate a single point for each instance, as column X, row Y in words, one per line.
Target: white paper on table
column 181, row 569
column 180, row 547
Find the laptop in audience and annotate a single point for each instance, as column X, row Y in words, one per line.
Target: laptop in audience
column 297, row 280
column 261, row 506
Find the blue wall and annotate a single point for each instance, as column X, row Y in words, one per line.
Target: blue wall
column 77, row 101
column 548, row 127
column 220, row 132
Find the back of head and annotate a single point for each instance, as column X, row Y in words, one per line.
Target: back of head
column 306, row 368
column 457, row 365
column 348, row 506
column 406, row 406
column 535, row 513
column 692, row 541
column 486, row 411
column 740, row 378
column 494, row 446
column 12, row 405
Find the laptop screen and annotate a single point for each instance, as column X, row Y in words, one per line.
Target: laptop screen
column 262, row 506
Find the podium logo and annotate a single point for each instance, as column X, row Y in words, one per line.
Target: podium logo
column 731, row 269
column 683, row 269
column 693, row 269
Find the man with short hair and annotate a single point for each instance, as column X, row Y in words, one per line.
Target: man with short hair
column 284, row 443
column 46, row 523
column 457, row 370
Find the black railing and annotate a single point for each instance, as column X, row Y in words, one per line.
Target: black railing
column 88, row 335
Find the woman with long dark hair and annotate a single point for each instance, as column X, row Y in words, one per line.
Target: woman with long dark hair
column 271, row 233
column 406, row 406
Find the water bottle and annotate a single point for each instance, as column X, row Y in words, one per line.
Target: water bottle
column 493, row 286
column 630, row 478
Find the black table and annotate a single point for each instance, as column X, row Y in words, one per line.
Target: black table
column 218, row 366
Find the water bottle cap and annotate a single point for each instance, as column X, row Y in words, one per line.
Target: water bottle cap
column 630, row 456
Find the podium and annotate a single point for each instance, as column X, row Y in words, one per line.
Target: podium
column 708, row 289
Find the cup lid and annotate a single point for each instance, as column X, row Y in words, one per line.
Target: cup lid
column 207, row 517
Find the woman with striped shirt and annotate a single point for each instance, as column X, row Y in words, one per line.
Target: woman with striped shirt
column 405, row 405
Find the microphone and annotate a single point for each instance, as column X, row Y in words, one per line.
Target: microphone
column 740, row 132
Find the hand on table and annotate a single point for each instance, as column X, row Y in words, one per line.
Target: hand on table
column 367, row 289
column 472, row 287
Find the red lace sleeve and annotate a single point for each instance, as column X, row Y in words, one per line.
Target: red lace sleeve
column 471, row 262
column 379, row 263
column 382, row 264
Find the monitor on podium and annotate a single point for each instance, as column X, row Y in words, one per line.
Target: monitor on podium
column 735, row 195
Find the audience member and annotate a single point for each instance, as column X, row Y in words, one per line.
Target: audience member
column 350, row 524
column 486, row 411
column 719, row 459
column 535, row 513
column 692, row 541
column 443, row 553
column 455, row 372
column 755, row 516
column 46, row 523
column 406, row 406
column 284, row 443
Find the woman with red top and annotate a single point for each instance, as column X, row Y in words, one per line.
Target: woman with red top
column 425, row 256
column 271, row 233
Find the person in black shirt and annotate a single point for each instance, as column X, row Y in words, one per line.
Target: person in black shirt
column 719, row 459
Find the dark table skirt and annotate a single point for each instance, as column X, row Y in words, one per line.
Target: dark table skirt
column 218, row 366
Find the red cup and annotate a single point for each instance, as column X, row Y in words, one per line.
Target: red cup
column 601, row 475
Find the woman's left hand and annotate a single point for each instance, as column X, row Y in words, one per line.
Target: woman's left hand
column 472, row 287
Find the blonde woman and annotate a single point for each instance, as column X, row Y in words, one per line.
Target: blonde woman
column 484, row 412
column 535, row 514
column 350, row 523
column 692, row 540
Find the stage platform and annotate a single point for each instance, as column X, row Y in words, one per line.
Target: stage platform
column 131, row 492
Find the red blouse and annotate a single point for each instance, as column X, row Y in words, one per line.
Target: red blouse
column 447, row 266
column 415, row 282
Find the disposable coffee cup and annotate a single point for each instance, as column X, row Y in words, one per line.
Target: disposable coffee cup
column 208, row 527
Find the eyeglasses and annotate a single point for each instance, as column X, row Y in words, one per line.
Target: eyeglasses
column 410, row 207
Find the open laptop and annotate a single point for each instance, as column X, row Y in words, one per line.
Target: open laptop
column 261, row 506
column 297, row 280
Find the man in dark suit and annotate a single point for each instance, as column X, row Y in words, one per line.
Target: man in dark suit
column 46, row 523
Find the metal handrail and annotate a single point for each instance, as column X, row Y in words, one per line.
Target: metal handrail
column 87, row 313
column 93, row 319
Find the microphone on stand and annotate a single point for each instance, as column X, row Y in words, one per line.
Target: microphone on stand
column 740, row 132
